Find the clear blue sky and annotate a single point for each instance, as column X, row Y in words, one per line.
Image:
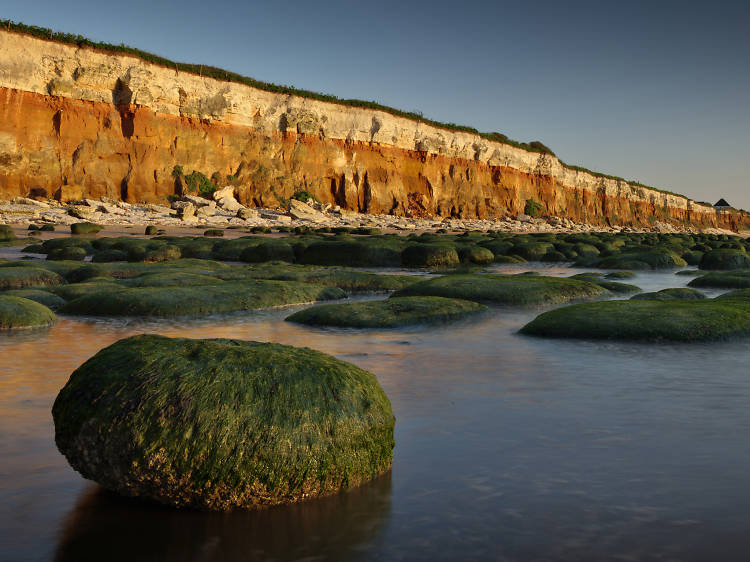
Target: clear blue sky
column 654, row 91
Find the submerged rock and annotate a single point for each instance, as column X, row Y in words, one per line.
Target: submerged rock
column 218, row 424
column 389, row 313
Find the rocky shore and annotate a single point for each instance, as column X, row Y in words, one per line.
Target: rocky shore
column 224, row 211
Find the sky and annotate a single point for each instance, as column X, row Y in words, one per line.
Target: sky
column 657, row 92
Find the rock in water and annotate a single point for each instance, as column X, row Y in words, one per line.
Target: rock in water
column 219, row 424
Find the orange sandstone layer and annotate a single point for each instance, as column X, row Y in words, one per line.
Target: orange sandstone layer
column 72, row 148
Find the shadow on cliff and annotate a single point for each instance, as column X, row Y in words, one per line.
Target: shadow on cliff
column 106, row 526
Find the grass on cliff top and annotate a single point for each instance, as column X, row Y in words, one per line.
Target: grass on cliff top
column 217, row 424
column 205, row 299
column 221, row 74
column 388, row 313
column 505, row 289
column 18, row 312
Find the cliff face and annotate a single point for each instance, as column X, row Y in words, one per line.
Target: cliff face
column 77, row 122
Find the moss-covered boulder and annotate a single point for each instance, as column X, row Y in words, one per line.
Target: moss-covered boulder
column 475, row 255
column 505, row 289
column 46, row 298
column 653, row 320
column 211, row 299
column 728, row 280
column 673, row 293
column 359, row 253
column 18, row 312
column 620, row 275
column 272, row 250
column 85, row 228
column 430, row 255
column 346, row 279
column 6, row 233
column 611, row 286
column 389, row 313
column 16, row 277
column 656, row 258
column 219, row 424
column 69, row 253
column 725, row 258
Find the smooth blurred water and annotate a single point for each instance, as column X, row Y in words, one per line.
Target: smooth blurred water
column 507, row 448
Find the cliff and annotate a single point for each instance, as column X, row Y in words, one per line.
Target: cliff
column 77, row 121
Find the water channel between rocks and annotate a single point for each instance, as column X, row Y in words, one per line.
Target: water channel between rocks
column 507, row 447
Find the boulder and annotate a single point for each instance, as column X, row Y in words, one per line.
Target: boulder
column 300, row 210
column 224, row 192
column 229, row 204
column 246, row 213
column 219, row 424
column 18, row 312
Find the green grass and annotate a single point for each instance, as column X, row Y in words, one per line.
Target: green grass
column 18, row 312
column 505, row 289
column 389, row 313
column 219, row 424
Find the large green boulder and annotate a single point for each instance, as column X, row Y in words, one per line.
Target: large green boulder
column 656, row 258
column 723, row 280
column 46, row 298
column 71, row 253
column 268, row 251
column 505, row 289
column 673, row 293
column 430, row 255
column 651, row 320
column 219, row 424
column 26, row 276
column 725, row 258
column 389, row 313
column 18, row 312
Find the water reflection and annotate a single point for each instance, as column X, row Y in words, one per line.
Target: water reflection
column 104, row 526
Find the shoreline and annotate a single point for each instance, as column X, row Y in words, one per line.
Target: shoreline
column 193, row 215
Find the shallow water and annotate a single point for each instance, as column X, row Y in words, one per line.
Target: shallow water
column 507, row 447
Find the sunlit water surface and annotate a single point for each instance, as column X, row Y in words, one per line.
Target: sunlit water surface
column 507, row 447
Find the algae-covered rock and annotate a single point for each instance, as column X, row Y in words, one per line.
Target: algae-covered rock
column 71, row 253
column 85, row 228
column 725, row 258
column 611, row 286
column 658, row 258
column 271, row 250
column 6, row 233
column 389, row 313
column 655, row 320
column 18, row 312
column 219, row 424
column 211, row 299
column 674, row 293
column 505, row 289
column 22, row 276
column 430, row 255
column 728, row 280
column 46, row 298
column 347, row 279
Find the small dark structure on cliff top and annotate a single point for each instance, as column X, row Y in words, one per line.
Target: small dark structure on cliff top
column 722, row 204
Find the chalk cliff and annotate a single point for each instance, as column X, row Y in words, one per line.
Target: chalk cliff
column 75, row 121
